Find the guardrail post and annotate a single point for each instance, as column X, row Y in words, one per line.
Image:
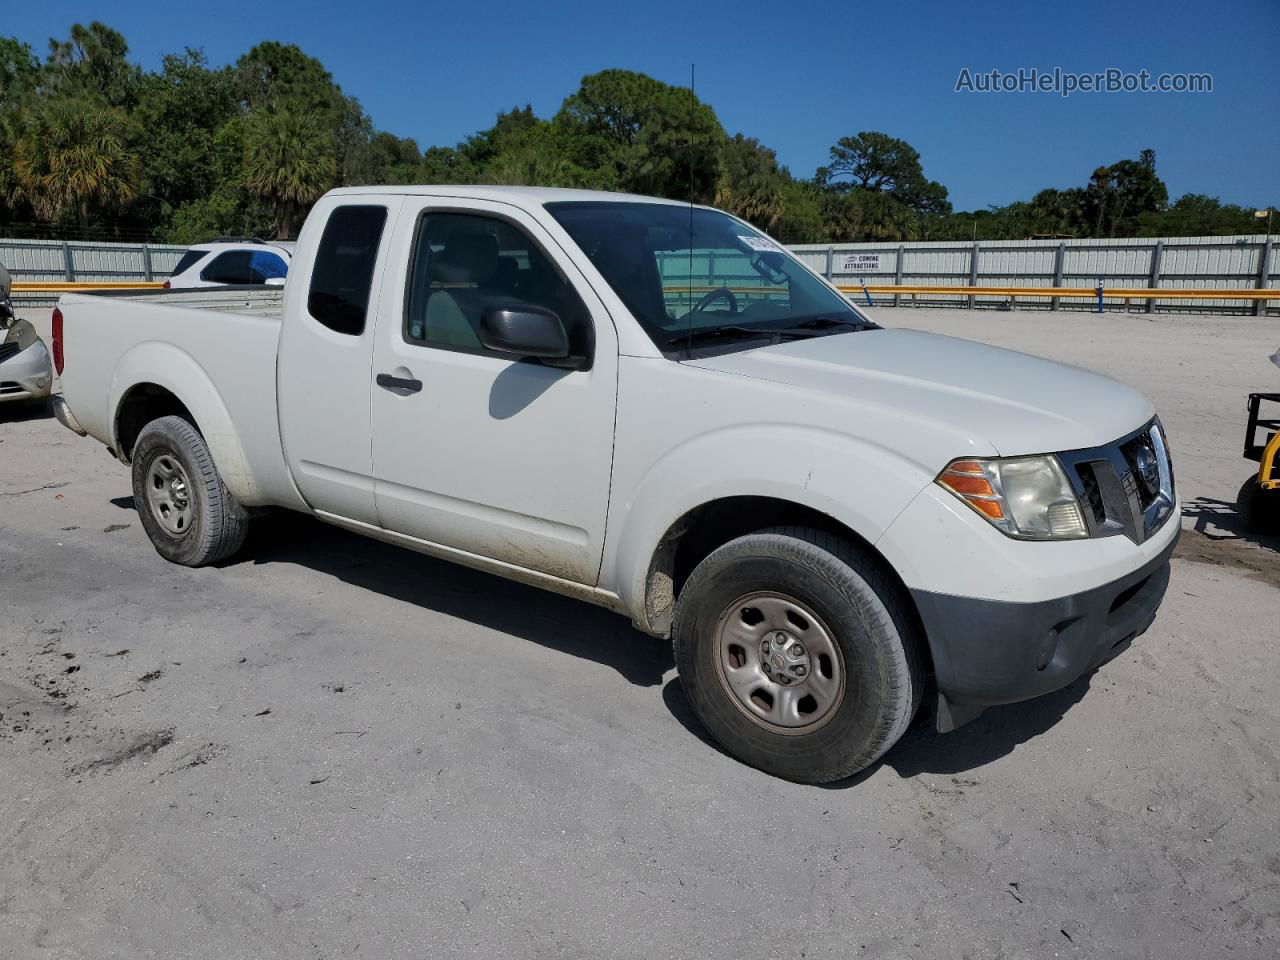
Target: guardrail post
column 897, row 276
column 1059, row 261
column 1264, row 268
column 68, row 264
column 973, row 272
column 146, row 263
column 1099, row 310
column 831, row 255
column 1157, row 253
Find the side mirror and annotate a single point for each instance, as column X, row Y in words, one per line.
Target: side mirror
column 525, row 330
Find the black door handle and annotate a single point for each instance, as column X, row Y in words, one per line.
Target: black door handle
column 398, row 383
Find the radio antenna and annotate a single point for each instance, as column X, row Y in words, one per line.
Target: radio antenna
column 693, row 109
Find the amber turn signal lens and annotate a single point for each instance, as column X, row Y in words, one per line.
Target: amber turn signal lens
column 965, row 484
column 969, row 480
column 991, row 508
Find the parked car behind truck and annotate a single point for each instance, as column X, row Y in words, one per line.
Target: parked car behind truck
column 26, row 371
column 232, row 261
column 654, row 408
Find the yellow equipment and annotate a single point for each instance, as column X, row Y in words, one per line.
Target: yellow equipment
column 1268, row 451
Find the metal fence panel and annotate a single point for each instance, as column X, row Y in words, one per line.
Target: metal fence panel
column 1183, row 262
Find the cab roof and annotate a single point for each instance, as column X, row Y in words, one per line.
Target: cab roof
column 503, row 194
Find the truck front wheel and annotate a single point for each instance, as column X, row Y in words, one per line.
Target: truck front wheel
column 798, row 653
column 186, row 509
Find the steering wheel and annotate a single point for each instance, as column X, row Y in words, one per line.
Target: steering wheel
column 717, row 294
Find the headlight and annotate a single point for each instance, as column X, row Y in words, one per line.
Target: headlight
column 1029, row 498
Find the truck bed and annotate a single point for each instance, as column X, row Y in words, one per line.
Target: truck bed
column 248, row 301
column 214, row 349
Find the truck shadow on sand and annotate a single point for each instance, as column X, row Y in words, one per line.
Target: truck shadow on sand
column 547, row 619
column 994, row 734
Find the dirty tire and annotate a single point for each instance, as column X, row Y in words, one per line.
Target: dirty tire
column 218, row 523
column 872, row 625
column 1260, row 509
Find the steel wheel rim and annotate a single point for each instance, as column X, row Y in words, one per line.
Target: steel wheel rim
column 169, row 495
column 779, row 663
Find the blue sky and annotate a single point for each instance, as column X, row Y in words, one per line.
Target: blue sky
column 797, row 76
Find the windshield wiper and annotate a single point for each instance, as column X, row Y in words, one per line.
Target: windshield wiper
column 826, row 323
column 813, row 327
column 731, row 331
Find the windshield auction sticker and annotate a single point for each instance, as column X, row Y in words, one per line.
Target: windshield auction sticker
column 758, row 243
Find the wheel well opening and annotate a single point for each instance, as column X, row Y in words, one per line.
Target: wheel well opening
column 705, row 528
column 142, row 404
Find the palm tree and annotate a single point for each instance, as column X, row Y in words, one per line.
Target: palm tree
column 288, row 162
column 750, row 184
column 74, row 155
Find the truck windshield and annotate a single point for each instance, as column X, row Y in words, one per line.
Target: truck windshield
column 698, row 278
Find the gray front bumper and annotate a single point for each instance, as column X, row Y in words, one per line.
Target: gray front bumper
column 27, row 375
column 989, row 652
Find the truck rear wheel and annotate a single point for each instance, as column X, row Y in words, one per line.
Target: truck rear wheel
column 186, row 509
column 798, row 654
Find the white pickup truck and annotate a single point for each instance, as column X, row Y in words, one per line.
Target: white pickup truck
column 653, row 407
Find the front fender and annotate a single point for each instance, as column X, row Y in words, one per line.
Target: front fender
column 177, row 371
column 861, row 485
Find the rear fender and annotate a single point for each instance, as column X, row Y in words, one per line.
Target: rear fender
column 178, row 372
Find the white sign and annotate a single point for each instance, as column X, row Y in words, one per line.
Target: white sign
column 861, row 263
column 758, row 243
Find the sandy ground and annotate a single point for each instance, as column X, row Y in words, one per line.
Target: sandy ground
column 333, row 748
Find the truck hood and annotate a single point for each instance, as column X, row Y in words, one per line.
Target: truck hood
column 1013, row 402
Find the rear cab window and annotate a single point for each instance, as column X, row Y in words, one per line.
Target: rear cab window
column 342, row 275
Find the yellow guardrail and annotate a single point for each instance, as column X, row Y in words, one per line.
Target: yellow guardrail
column 1108, row 293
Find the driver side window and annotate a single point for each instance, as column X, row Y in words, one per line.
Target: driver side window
column 463, row 263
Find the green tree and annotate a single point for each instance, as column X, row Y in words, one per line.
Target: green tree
column 864, row 214
column 658, row 139
column 288, row 162
column 878, row 162
column 510, row 129
column 1118, row 195
column 73, row 156
column 444, row 165
column 19, row 74
column 19, row 70
column 801, row 220
column 184, row 109
column 750, row 184
column 1058, row 212
column 272, row 73
column 392, row 159
column 93, row 63
column 538, row 156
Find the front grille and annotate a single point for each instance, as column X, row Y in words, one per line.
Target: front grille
column 1140, row 454
column 8, row 350
column 1126, row 487
column 8, row 386
column 1092, row 494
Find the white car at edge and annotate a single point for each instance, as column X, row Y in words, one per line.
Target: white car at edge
column 232, row 261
